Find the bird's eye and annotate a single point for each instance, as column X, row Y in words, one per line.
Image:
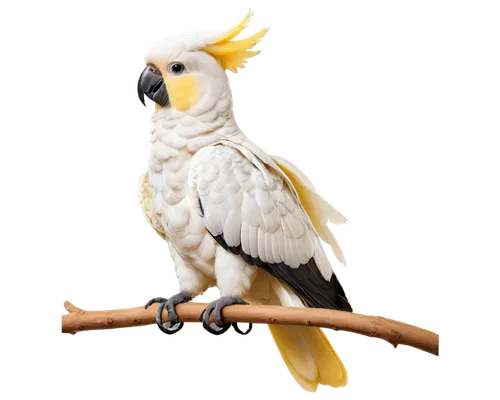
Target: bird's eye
column 176, row 68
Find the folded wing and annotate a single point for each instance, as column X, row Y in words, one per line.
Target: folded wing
column 250, row 210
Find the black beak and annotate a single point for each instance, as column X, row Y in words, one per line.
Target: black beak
column 151, row 84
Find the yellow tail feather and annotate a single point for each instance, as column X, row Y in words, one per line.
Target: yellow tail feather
column 309, row 356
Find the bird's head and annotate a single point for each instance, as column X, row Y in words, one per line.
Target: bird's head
column 187, row 71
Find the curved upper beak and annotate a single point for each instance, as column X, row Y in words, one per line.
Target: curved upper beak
column 152, row 85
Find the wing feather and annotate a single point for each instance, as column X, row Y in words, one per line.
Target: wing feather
column 268, row 252
column 261, row 242
column 232, row 228
column 276, row 245
column 253, row 239
column 250, row 211
column 245, row 237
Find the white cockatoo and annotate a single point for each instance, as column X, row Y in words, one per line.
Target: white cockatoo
column 233, row 216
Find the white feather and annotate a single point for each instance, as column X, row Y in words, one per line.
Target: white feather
column 240, row 173
column 174, row 140
column 290, row 203
column 253, row 241
column 261, row 244
column 269, row 257
column 295, row 225
column 199, row 141
column 264, row 201
column 281, row 242
column 211, row 173
column 278, row 196
column 286, row 296
column 232, row 228
column 217, row 198
column 276, row 239
column 308, row 242
column 218, row 185
column 245, row 238
column 232, row 188
column 209, row 116
column 176, row 219
column 162, row 152
column 322, row 261
column 250, row 210
column 235, row 199
column 281, row 209
column 206, row 248
column 292, row 260
column 265, row 218
column 158, row 203
column 272, row 221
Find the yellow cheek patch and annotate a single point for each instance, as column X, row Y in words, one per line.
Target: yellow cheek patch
column 182, row 91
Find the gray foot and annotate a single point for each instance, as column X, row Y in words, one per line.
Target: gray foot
column 215, row 308
column 243, row 329
column 174, row 325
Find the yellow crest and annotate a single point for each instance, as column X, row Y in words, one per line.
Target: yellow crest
column 232, row 54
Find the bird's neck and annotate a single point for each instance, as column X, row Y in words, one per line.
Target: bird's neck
column 211, row 119
column 190, row 130
column 188, row 127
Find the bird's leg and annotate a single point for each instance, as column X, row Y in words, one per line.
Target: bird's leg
column 215, row 308
column 174, row 325
column 234, row 279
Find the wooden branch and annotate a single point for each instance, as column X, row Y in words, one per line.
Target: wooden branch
column 394, row 332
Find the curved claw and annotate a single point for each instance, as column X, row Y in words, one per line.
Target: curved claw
column 215, row 308
column 170, row 329
column 215, row 329
column 174, row 325
column 152, row 300
column 237, row 328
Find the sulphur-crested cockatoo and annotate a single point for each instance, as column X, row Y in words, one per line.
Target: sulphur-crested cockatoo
column 233, row 216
